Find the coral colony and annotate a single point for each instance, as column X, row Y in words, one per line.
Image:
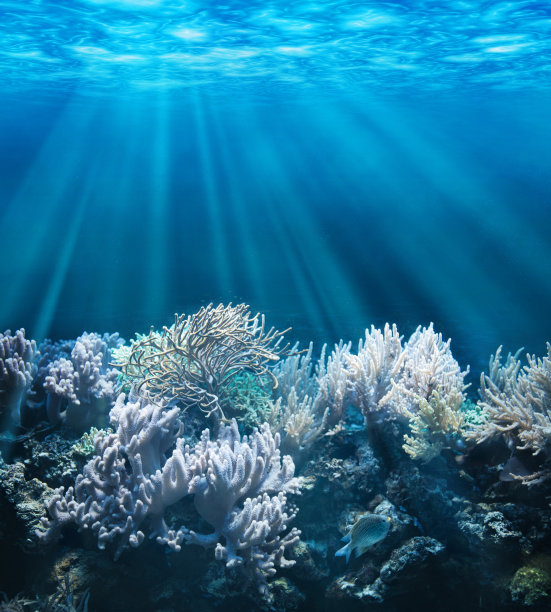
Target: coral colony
column 215, row 433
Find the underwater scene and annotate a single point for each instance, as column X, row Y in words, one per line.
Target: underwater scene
column 275, row 313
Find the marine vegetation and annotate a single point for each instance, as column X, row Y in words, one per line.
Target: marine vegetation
column 233, row 465
column 195, row 359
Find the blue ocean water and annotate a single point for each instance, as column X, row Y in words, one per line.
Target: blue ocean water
column 335, row 165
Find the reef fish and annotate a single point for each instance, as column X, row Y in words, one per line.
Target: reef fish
column 364, row 533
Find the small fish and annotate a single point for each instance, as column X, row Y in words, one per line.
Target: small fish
column 364, row 533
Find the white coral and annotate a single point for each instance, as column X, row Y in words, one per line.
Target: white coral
column 516, row 402
column 379, row 361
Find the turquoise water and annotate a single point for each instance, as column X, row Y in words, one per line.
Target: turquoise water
column 334, row 165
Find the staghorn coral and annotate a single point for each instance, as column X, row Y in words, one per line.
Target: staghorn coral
column 516, row 402
column 195, row 359
column 17, row 369
column 239, row 486
column 81, row 389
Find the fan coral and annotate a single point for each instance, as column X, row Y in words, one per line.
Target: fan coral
column 195, row 359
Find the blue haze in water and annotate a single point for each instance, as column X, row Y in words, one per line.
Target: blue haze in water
column 333, row 164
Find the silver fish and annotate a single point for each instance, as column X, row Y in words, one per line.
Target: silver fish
column 364, row 533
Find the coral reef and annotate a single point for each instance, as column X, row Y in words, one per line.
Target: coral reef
column 194, row 359
column 239, row 487
column 386, row 430
column 516, row 402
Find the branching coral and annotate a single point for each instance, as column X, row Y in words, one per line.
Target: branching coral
column 428, row 366
column 434, row 425
column 428, row 391
column 332, row 379
column 420, row 382
column 370, row 373
column 235, row 495
column 516, row 402
column 296, row 372
column 311, row 397
column 17, row 368
column 83, row 384
column 195, row 359
column 299, row 423
column 239, row 486
column 247, row 398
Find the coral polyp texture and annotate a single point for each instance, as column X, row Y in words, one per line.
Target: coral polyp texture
column 246, row 462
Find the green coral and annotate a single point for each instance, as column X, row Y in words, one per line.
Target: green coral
column 530, row 585
column 473, row 414
column 248, row 398
column 85, row 446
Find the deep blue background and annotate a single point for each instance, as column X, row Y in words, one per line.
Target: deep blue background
column 327, row 215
